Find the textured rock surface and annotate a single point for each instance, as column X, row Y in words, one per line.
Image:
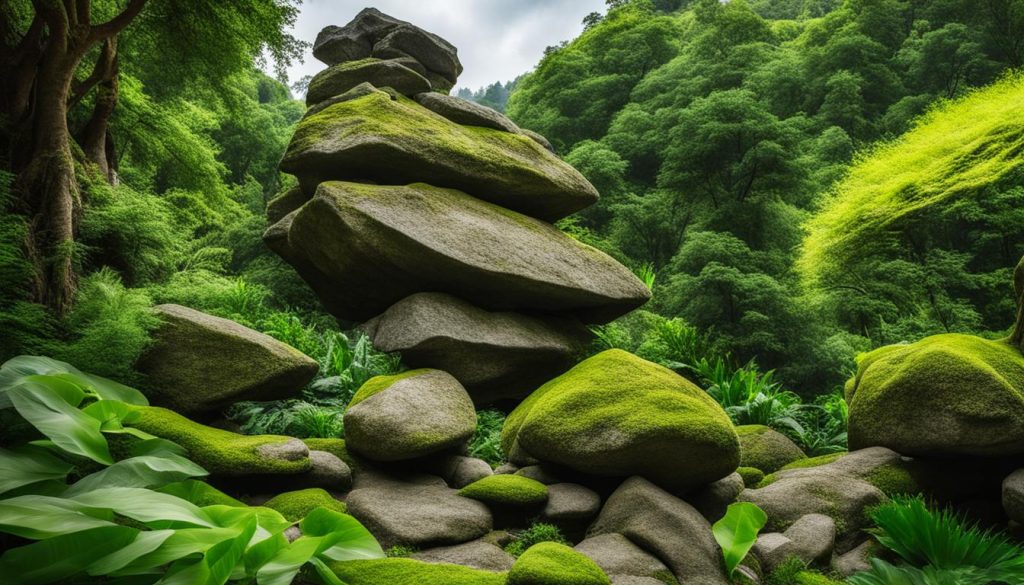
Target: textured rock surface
column 765, row 448
column 387, row 242
column 201, row 363
column 477, row 554
column 421, row 516
column 713, row 499
column 1013, row 496
column 811, row 539
column 570, row 502
column 342, row 78
column 459, row 471
column 617, row 415
column 494, row 355
column 666, row 527
column 617, row 556
column 466, row 112
column 944, row 395
column 328, row 471
column 409, row 415
column 399, row 141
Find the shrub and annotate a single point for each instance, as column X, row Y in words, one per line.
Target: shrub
column 537, row 532
column 486, row 443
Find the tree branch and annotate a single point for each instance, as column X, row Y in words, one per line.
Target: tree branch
column 118, row 23
column 105, row 63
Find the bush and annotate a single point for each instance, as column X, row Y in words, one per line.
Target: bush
column 486, row 443
column 537, row 532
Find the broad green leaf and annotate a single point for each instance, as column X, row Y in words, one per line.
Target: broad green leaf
column 219, row 562
column 325, row 573
column 139, row 472
column 144, row 543
column 62, row 556
column 157, row 446
column 18, row 368
column 45, row 404
column 29, row 465
column 144, row 505
column 261, row 552
column 183, row 543
column 111, row 414
column 737, row 532
column 39, row 517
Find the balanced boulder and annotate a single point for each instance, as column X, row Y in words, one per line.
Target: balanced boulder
column 199, row 363
column 765, row 448
column 615, row 414
column 466, row 112
column 399, row 141
column 378, row 72
column 494, row 355
column 385, row 243
column 409, row 415
column 945, row 395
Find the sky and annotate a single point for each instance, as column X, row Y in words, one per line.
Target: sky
column 497, row 39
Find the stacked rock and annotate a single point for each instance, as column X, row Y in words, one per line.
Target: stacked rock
column 429, row 218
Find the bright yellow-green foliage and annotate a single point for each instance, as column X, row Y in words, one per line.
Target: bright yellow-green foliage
column 955, row 151
column 398, row 571
column 296, row 505
column 946, row 394
column 335, row 447
column 378, row 384
column 550, row 563
column 220, row 452
column 507, row 490
column 766, row 449
column 199, row 493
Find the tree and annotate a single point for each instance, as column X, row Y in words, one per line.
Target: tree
column 46, row 46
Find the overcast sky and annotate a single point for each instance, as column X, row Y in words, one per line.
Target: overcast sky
column 497, row 39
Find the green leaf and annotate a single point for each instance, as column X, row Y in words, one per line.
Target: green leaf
column 737, row 532
column 219, row 562
column 16, row 369
column 144, row 543
column 325, row 573
column 39, row 517
column 139, row 472
column 144, row 505
column 62, row 556
column 48, row 405
column 29, row 465
column 183, row 543
column 111, row 414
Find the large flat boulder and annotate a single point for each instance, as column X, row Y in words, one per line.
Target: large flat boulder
column 465, row 112
column 364, row 247
column 336, row 80
column 199, row 363
column 618, row 415
column 945, row 395
column 664, row 526
column 398, row 141
column 495, row 355
column 408, row 416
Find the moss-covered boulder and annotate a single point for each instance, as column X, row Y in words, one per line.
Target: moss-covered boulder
column 340, row 78
column 624, row 561
column 944, row 395
column 615, row 414
column 399, row 141
column 465, row 112
column 507, row 491
column 409, row 415
column 199, row 363
column 397, row 571
column 221, row 452
column 296, row 505
column 551, row 563
column 765, row 448
column 363, row 248
column 495, row 355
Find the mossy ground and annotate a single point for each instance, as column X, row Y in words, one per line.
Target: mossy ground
column 296, row 505
column 218, row 451
column 399, row 571
column 507, row 490
column 550, row 563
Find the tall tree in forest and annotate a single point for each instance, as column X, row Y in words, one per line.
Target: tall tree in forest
column 59, row 55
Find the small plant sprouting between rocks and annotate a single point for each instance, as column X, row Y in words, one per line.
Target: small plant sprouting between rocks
column 486, row 443
column 537, row 532
column 737, row 532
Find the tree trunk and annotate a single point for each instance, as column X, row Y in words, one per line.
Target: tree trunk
column 96, row 140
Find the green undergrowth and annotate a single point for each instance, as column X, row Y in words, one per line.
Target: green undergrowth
column 537, row 532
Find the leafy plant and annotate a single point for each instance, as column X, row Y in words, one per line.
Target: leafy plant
column 737, row 531
column 749, row 396
column 317, row 422
column 486, row 443
column 537, row 532
column 646, row 273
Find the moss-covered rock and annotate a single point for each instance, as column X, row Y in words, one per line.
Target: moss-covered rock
column 399, row 141
column 765, row 448
column 222, row 452
column 336, row 447
column 397, row 571
column 944, row 395
column 201, row 363
column 615, row 414
column 340, row 78
column 751, row 475
column 507, row 490
column 550, row 563
column 294, row 506
column 362, row 248
column 409, row 415
column 199, row 493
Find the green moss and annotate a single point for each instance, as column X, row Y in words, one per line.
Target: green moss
column 220, row 452
column 948, row 394
column 550, row 563
column 296, row 505
column 337, row 448
column 802, row 464
column 199, row 493
column 537, row 532
column 765, row 448
column 815, row 578
column 617, row 414
column 751, row 475
column 407, row 571
column 400, row 551
column 378, row 384
column 666, row 577
column 894, row 479
column 507, row 490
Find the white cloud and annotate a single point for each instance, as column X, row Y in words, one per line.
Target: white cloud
column 497, row 39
